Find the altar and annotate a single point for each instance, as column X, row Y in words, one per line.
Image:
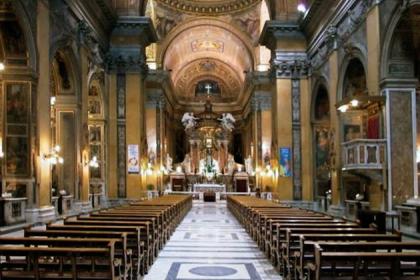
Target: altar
column 209, row 187
column 205, row 188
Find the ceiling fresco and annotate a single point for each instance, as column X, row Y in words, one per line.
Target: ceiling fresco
column 207, row 50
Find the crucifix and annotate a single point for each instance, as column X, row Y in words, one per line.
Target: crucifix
column 208, row 87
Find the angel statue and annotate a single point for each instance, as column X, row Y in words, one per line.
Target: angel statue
column 227, row 121
column 188, row 120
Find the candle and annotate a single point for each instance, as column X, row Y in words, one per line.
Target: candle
column 1, row 147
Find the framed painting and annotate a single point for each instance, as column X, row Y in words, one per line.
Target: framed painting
column 17, row 113
column 285, row 156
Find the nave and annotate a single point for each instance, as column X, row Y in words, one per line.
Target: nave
column 211, row 244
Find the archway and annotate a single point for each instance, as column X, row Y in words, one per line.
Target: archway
column 64, row 128
column 16, row 113
column 322, row 141
column 97, row 135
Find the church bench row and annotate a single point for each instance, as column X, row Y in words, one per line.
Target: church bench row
column 134, row 243
column 305, row 257
column 140, row 251
column 284, row 229
column 33, row 261
column 369, row 265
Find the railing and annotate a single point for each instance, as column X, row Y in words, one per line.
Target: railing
column 364, row 154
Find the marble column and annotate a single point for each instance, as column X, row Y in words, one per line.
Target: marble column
column 195, row 155
column 289, row 65
column 401, row 139
column 127, row 59
column 44, row 211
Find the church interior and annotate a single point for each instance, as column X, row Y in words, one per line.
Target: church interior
column 209, row 139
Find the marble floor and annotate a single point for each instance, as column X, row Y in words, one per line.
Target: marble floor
column 210, row 244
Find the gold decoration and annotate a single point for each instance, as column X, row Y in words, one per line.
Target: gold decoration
column 209, row 7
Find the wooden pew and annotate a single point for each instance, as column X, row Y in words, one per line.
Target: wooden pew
column 140, row 254
column 123, row 251
column 272, row 243
column 149, row 237
column 306, row 258
column 67, row 263
column 359, row 263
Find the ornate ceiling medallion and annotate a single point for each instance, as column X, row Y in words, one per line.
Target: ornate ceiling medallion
column 209, row 7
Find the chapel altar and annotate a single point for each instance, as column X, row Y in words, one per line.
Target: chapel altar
column 208, row 165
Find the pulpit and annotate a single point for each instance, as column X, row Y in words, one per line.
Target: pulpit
column 241, row 182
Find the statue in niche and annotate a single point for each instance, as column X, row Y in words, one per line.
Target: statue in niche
column 231, row 165
column 186, row 163
column 152, row 157
column 168, row 164
column 248, row 165
column 227, row 121
column 189, row 121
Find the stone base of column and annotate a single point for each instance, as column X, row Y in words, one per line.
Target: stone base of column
column 82, row 206
column 337, row 210
column 40, row 215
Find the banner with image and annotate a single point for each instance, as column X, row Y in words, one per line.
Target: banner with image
column 285, row 156
column 133, row 161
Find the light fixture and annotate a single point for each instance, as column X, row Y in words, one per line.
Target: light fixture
column 354, row 103
column 301, row 8
column 52, row 100
column 94, row 162
column 343, row 108
column 53, row 157
column 2, row 66
column 178, row 169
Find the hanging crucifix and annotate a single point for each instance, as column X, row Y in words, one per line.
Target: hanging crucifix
column 208, row 87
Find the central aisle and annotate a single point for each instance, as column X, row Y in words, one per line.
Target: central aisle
column 210, row 244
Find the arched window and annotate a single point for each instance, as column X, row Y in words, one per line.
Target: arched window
column 207, row 87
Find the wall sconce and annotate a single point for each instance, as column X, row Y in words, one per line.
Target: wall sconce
column 93, row 162
column 354, row 103
column 2, row 66
column 53, row 157
column 53, row 100
column 343, row 108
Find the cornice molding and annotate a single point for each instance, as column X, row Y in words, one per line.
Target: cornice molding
column 274, row 30
column 206, row 8
column 140, row 27
column 289, row 65
column 339, row 28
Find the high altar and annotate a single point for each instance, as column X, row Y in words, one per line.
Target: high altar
column 208, row 165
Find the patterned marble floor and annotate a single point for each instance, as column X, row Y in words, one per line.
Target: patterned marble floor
column 210, row 244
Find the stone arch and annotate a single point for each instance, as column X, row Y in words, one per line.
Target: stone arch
column 27, row 23
column 66, row 85
column 321, row 135
column 355, row 55
column 394, row 64
column 320, row 84
column 191, row 23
